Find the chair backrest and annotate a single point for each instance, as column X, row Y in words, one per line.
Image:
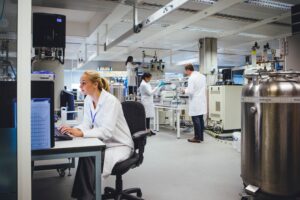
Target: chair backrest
column 135, row 116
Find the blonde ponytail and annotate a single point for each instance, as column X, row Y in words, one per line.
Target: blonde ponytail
column 105, row 84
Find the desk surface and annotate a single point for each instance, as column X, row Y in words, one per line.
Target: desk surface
column 78, row 147
column 180, row 106
column 72, row 146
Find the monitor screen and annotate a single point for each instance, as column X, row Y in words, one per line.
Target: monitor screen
column 67, row 100
column 238, row 77
column 226, row 74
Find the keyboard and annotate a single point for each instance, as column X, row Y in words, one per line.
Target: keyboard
column 58, row 136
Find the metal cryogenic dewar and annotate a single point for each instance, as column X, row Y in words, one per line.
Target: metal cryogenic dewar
column 271, row 133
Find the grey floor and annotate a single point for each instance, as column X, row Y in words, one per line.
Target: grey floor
column 172, row 170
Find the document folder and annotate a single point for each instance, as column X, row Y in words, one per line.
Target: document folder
column 40, row 124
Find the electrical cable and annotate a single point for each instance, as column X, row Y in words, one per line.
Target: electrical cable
column 2, row 11
column 10, row 65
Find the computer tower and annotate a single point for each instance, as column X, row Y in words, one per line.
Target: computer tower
column 39, row 89
column 49, row 30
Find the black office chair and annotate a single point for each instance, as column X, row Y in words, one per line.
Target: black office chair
column 134, row 113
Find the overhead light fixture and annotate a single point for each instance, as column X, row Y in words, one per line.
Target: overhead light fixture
column 270, row 4
column 206, row 1
column 252, row 35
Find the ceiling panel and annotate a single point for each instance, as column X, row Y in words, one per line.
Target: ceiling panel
column 194, row 5
column 286, row 20
column 291, row 1
column 233, row 40
column 218, row 24
column 270, row 30
column 83, row 5
column 139, row 36
column 251, row 11
column 146, row 11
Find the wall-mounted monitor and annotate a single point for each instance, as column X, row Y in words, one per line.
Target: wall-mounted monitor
column 49, row 30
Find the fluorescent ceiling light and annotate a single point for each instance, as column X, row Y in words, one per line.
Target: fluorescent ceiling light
column 206, row 1
column 253, row 35
column 270, row 4
column 198, row 29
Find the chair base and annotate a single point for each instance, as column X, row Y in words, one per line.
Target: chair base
column 111, row 193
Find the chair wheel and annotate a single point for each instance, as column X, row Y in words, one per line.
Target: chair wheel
column 139, row 194
column 61, row 172
column 108, row 190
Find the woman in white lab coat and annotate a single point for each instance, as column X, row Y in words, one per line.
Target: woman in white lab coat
column 103, row 119
column 131, row 75
column 147, row 97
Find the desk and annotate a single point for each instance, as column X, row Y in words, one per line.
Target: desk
column 176, row 108
column 78, row 147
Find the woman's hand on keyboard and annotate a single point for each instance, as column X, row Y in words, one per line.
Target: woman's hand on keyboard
column 71, row 131
column 75, row 132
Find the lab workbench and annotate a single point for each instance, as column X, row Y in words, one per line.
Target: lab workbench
column 78, row 147
column 174, row 108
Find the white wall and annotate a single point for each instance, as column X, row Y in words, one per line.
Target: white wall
column 72, row 76
column 174, row 69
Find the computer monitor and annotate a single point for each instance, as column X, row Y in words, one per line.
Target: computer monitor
column 238, row 77
column 74, row 92
column 67, row 100
column 226, row 74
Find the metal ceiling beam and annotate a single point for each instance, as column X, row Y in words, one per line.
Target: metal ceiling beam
column 218, row 15
column 170, row 7
column 215, row 8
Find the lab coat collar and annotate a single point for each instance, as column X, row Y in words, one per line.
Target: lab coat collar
column 143, row 81
column 101, row 100
column 194, row 73
column 102, row 97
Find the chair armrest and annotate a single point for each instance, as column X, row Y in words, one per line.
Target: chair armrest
column 140, row 134
column 140, row 140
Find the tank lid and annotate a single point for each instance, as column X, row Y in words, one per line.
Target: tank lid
column 273, row 74
column 284, row 73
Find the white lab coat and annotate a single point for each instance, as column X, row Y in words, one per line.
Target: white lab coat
column 197, row 94
column 147, row 98
column 110, row 126
column 131, row 74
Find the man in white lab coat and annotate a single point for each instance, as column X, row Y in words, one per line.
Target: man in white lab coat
column 197, row 101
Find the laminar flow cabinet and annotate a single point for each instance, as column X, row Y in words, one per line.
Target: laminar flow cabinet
column 224, row 108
